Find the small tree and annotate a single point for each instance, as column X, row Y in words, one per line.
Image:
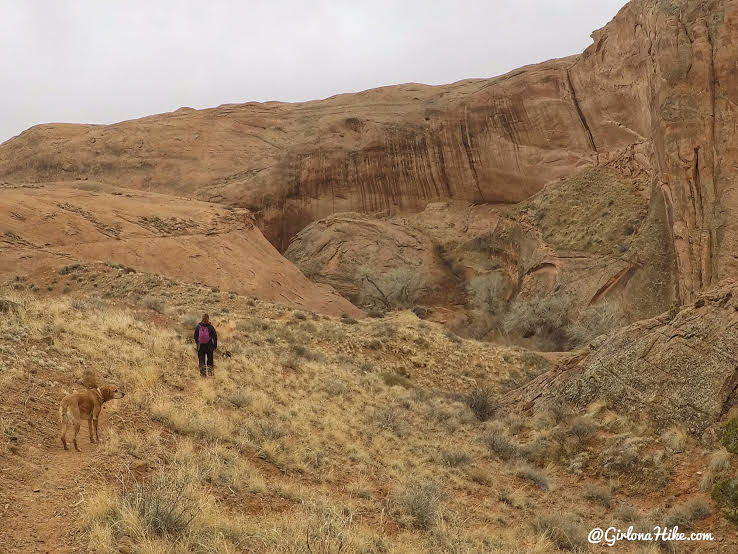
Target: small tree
column 395, row 289
column 486, row 291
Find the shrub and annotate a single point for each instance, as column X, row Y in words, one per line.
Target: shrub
column 720, row 460
column 538, row 477
column 501, row 445
column 292, row 362
column 422, row 501
column 583, row 428
column 67, row 269
column 481, row 402
column 515, row 423
column 386, row 330
column 238, row 398
column 151, row 303
column 388, row 420
column 392, row 379
column 348, row 320
column 628, row 514
column 623, row 455
column 563, row 531
column 546, row 318
column 190, row 319
column 480, row 477
column 9, row 307
column 486, row 292
column 560, row 412
column 453, row 337
column 375, row 313
column 165, row 506
column 305, row 353
column 455, row 458
column 374, row 344
column 725, row 494
column 515, row 498
column 541, row 449
column 687, row 514
column 730, row 435
column 394, row 289
column 333, row 387
column 675, row 439
column 265, row 430
column 707, row 481
column 599, row 494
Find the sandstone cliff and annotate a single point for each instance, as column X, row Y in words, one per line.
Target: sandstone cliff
column 594, row 238
column 654, row 97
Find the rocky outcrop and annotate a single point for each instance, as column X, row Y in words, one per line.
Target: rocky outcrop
column 678, row 368
column 552, row 245
column 354, row 252
column 654, row 97
column 664, row 71
column 45, row 228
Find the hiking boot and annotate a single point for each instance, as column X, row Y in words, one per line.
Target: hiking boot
column 210, row 371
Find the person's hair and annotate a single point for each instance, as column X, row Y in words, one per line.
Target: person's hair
column 205, row 318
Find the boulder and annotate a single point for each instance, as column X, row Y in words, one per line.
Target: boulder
column 678, row 368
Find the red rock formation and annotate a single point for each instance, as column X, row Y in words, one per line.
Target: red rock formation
column 655, row 96
column 45, row 228
column 660, row 82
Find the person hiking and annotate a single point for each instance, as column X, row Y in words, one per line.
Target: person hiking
column 206, row 340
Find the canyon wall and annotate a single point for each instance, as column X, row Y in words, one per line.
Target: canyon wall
column 654, row 97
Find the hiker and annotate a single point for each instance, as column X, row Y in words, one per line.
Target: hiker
column 206, row 340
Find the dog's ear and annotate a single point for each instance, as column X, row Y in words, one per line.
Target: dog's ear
column 106, row 392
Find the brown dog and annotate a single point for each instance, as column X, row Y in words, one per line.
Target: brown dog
column 84, row 405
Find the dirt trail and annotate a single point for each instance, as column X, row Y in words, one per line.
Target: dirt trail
column 42, row 486
column 43, row 495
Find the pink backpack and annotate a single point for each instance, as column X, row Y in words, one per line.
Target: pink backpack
column 203, row 336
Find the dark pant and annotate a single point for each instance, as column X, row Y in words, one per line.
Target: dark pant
column 205, row 357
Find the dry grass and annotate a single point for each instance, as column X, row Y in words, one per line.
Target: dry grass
column 563, row 531
column 599, row 494
column 532, row 474
column 686, row 515
column 362, row 449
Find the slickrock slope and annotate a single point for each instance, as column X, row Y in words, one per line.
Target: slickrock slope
column 679, row 367
column 654, row 97
column 47, row 228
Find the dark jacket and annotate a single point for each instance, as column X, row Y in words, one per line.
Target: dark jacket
column 213, row 344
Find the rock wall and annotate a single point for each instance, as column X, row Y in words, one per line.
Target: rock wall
column 678, row 368
column 664, row 71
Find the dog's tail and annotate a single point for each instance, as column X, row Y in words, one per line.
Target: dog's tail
column 64, row 413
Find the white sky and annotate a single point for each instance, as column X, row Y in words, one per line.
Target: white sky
column 101, row 61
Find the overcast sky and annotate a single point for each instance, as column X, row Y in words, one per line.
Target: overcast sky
column 96, row 61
